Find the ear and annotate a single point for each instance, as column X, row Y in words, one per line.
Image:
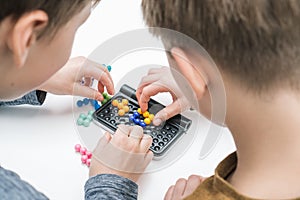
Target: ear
column 24, row 34
column 190, row 72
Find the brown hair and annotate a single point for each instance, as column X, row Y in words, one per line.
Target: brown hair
column 59, row 11
column 255, row 41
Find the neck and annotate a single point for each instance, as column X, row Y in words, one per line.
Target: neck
column 267, row 137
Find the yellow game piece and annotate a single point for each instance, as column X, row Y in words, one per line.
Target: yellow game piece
column 139, row 110
column 120, row 105
column 121, row 112
column 125, row 102
column 151, row 117
column 115, row 102
column 126, row 109
column 146, row 114
column 147, row 121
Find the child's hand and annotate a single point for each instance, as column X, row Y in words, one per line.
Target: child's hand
column 67, row 81
column 183, row 188
column 126, row 153
column 156, row 81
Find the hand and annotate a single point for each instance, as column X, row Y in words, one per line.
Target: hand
column 126, row 153
column 156, row 81
column 67, row 81
column 183, row 188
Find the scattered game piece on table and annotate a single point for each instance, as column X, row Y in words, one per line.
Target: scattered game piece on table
column 85, row 154
column 123, row 108
column 85, row 120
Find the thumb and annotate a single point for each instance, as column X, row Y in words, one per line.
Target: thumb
column 166, row 113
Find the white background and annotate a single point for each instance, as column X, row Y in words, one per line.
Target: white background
column 38, row 142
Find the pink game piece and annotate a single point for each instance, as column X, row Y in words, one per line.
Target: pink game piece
column 83, row 150
column 84, row 159
column 77, row 147
column 88, row 162
column 89, row 154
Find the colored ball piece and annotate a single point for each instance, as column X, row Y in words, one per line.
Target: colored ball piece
column 80, row 121
column 91, row 112
column 88, row 154
column 89, row 117
column 93, row 102
column 125, row 101
column 137, row 121
column 131, row 117
column 82, row 150
column 151, row 117
column 147, row 121
column 121, row 112
column 109, row 68
column 97, row 105
column 115, row 102
column 86, row 122
column 86, row 101
column 136, row 115
column 146, row 114
column 79, row 103
column 126, row 109
column 139, row 110
column 84, row 158
column 77, row 147
column 82, row 116
column 88, row 162
column 104, row 101
column 105, row 95
column 120, row 105
column 142, row 123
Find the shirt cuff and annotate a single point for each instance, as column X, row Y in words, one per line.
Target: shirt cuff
column 110, row 186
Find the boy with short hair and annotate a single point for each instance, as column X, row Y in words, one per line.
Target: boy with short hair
column 256, row 46
column 35, row 43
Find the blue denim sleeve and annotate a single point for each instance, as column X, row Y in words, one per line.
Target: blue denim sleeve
column 110, row 187
column 12, row 187
column 36, row 97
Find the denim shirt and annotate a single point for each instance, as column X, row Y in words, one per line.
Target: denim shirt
column 102, row 186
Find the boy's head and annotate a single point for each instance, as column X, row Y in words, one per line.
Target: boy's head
column 255, row 43
column 36, row 40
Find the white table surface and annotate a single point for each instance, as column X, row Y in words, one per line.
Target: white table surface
column 38, row 142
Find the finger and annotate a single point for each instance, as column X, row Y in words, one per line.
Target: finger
column 149, row 79
column 103, row 141
column 85, row 91
column 148, row 158
column 145, row 143
column 179, row 188
column 136, row 134
column 154, row 70
column 192, row 183
column 169, row 193
column 122, row 131
column 101, row 74
column 166, row 113
column 148, row 92
column 100, row 87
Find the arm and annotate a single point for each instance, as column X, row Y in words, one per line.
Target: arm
column 36, row 97
column 12, row 187
column 110, row 186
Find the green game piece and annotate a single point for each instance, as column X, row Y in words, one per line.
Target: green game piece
column 82, row 116
column 91, row 112
column 105, row 95
column 104, row 101
column 86, row 122
column 89, row 117
column 79, row 121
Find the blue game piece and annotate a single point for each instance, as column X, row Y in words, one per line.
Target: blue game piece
column 92, row 102
column 137, row 121
column 97, row 105
column 108, row 68
column 136, row 114
column 131, row 117
column 79, row 103
column 142, row 123
column 86, row 101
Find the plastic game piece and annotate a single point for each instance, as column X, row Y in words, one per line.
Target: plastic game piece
column 151, row 117
column 84, row 159
column 82, row 150
column 142, row 123
column 126, row 109
column 108, row 68
column 86, row 122
column 131, row 117
column 83, row 116
column 136, row 114
column 139, row 110
column 105, row 95
column 91, row 112
column 104, row 101
column 88, row 162
column 147, row 121
column 86, row 101
column 80, row 121
column 89, row 117
column 77, row 147
column 115, row 102
column 79, row 103
column 121, row 112
column 88, row 154
column 120, row 105
column 97, row 105
column 137, row 121
column 146, row 114
column 93, row 101
column 125, row 101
